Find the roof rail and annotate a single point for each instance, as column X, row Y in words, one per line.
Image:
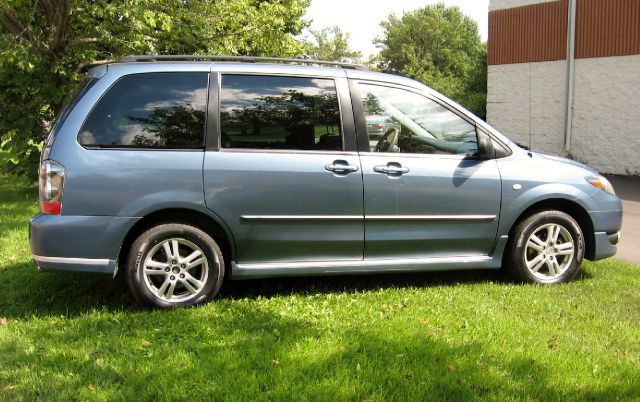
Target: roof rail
column 241, row 59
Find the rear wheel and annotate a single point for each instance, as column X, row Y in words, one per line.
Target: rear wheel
column 546, row 247
column 174, row 265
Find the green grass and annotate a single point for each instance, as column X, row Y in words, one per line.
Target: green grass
column 455, row 336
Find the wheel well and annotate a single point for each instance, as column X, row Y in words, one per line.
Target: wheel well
column 176, row 215
column 575, row 210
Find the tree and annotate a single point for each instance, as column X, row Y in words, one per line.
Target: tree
column 46, row 45
column 441, row 47
column 331, row 44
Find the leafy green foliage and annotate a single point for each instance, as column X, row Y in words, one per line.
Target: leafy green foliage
column 331, row 44
column 441, row 47
column 46, row 45
column 458, row 336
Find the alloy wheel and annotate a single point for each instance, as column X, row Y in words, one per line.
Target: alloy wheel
column 175, row 270
column 549, row 251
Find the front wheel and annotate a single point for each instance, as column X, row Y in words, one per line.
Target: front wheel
column 547, row 247
column 174, row 265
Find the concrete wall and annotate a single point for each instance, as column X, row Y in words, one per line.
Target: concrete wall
column 526, row 102
column 606, row 114
column 502, row 4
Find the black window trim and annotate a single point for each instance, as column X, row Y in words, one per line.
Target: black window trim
column 348, row 147
column 361, row 125
column 143, row 148
column 212, row 124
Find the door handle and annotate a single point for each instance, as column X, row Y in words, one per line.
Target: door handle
column 392, row 169
column 341, row 167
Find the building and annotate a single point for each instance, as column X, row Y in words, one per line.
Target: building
column 564, row 78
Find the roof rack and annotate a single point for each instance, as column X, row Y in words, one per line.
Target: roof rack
column 241, row 59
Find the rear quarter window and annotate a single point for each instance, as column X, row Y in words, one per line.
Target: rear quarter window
column 70, row 103
column 150, row 110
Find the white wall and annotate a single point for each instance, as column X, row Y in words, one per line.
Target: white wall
column 527, row 103
column 606, row 114
column 500, row 4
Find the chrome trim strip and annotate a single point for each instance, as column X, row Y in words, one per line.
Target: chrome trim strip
column 74, row 261
column 430, row 217
column 287, row 151
column 435, row 218
column 302, row 217
column 363, row 263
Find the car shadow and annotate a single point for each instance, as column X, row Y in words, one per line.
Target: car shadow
column 270, row 287
column 26, row 292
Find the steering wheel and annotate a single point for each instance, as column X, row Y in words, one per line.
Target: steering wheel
column 388, row 142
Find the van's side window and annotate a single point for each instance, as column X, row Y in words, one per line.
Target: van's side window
column 151, row 110
column 403, row 121
column 272, row 112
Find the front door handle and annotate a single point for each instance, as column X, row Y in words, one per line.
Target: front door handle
column 341, row 167
column 392, row 169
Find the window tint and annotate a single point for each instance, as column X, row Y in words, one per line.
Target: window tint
column 403, row 121
column 152, row 110
column 268, row 112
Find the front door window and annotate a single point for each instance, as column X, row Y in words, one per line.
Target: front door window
column 401, row 121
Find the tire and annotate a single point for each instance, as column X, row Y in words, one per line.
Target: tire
column 158, row 279
column 545, row 248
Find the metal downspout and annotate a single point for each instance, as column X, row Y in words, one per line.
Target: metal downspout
column 571, row 42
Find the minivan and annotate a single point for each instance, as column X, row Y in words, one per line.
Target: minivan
column 184, row 171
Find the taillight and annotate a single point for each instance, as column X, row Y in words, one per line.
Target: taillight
column 51, row 182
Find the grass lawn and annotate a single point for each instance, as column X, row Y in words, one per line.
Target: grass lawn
column 455, row 336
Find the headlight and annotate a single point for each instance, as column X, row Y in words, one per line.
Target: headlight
column 601, row 183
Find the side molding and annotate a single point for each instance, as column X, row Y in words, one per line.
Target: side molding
column 343, row 267
column 435, row 218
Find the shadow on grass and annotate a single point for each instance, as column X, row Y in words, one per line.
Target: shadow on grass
column 355, row 283
column 27, row 292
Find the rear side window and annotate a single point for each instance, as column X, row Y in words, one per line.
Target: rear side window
column 151, row 110
column 272, row 112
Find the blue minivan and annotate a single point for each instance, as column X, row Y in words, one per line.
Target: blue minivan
column 181, row 171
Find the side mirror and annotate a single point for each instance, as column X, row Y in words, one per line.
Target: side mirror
column 486, row 151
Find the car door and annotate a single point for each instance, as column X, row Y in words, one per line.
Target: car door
column 426, row 193
column 285, row 175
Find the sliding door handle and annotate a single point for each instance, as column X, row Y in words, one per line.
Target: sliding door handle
column 341, row 167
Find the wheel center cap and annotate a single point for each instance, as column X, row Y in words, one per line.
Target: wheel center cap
column 175, row 270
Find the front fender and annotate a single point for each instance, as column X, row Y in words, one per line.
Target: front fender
column 515, row 202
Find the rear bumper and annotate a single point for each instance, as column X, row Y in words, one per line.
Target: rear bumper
column 77, row 243
column 93, row 265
